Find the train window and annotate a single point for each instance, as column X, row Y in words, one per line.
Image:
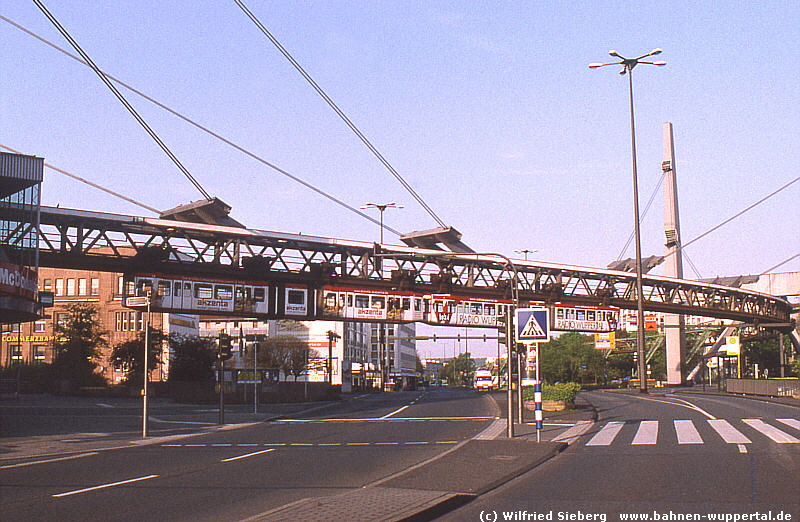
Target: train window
column 203, row 291
column 178, row 289
column 243, row 293
column 394, row 303
column 295, row 297
column 259, row 295
column 477, row 308
column 417, row 305
column 406, row 303
column 378, row 302
column 164, row 288
column 362, row 301
column 144, row 286
column 590, row 315
column 350, row 300
column 581, row 315
column 223, row 292
column 559, row 313
column 488, row 309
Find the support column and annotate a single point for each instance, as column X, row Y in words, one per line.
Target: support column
column 673, row 263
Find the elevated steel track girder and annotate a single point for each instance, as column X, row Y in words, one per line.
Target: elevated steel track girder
column 121, row 243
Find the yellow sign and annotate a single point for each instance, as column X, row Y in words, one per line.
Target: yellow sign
column 604, row 341
column 732, row 345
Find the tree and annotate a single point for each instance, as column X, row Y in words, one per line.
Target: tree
column 570, row 357
column 284, row 352
column 130, row 355
column 459, row 371
column 77, row 345
column 192, row 359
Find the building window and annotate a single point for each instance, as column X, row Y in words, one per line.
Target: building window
column 95, row 286
column 82, row 290
column 39, row 326
column 70, row 287
column 47, row 285
column 16, row 353
column 59, row 287
column 39, row 352
column 61, row 320
column 129, row 321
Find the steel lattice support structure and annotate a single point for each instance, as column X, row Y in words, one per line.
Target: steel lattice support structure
column 121, row 243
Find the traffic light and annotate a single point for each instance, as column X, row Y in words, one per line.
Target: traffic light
column 502, row 328
column 225, row 344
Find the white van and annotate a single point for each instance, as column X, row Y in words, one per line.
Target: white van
column 483, row 380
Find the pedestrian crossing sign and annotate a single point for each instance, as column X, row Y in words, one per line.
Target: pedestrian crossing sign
column 533, row 324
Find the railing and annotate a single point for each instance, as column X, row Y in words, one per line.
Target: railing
column 773, row 387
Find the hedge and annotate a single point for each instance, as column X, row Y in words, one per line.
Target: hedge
column 563, row 391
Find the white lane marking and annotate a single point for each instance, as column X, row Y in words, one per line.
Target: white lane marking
column 794, row 423
column 728, row 433
column 686, row 432
column 742, row 448
column 606, row 435
column 231, row 459
column 103, row 486
column 781, row 437
column 398, row 410
column 23, row 464
column 163, row 421
column 647, row 434
column 384, row 418
column 103, row 405
column 222, row 445
column 682, row 403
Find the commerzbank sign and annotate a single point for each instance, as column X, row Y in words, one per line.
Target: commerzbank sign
column 17, row 280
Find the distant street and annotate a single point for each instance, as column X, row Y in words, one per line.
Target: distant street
column 683, row 453
column 233, row 474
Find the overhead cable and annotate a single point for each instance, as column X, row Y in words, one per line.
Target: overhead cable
column 339, row 112
column 208, row 131
column 644, row 213
column 121, row 98
column 712, row 229
column 90, row 183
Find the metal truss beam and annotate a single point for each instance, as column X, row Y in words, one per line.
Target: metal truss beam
column 121, row 243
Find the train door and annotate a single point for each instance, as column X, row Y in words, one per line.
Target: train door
column 295, row 301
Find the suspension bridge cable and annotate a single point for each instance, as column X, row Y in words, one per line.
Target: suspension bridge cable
column 121, row 98
column 646, row 208
column 712, row 229
column 90, row 183
column 768, row 270
column 208, row 131
column 338, row 111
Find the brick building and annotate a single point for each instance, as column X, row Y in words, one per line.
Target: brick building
column 32, row 342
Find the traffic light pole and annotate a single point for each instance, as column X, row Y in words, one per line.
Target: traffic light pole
column 146, row 375
column 221, row 379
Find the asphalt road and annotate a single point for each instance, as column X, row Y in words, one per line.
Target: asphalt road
column 662, row 455
column 233, row 474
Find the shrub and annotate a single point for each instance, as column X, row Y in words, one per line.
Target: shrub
column 563, row 391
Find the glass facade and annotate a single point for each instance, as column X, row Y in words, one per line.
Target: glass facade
column 20, row 181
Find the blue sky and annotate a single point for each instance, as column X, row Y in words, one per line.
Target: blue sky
column 488, row 110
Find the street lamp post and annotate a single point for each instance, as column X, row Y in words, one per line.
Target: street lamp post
column 627, row 67
column 384, row 358
column 525, row 251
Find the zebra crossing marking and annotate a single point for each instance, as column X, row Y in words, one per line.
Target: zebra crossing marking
column 781, row 437
column 686, row 432
column 647, row 434
column 728, row 433
column 607, row 434
column 794, row 423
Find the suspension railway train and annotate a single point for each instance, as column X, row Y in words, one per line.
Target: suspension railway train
column 279, row 300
